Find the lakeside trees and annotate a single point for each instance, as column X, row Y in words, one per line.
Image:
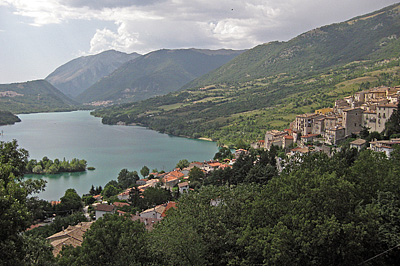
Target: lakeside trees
column 47, row 166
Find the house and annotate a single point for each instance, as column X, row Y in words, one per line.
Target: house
column 73, row 236
column 148, row 222
column 334, row 135
column 299, row 150
column 102, row 209
column 385, row 146
column 141, row 182
column 352, row 120
column 308, row 138
column 124, row 195
column 358, row 144
column 287, row 141
column 183, row 187
column 98, row 197
column 274, row 137
column 240, row 152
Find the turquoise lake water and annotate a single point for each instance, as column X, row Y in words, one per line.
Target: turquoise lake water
column 108, row 148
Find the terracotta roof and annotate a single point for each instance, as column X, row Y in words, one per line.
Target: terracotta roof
column 170, row 205
column 288, row 137
column 105, row 208
column 120, row 204
column 73, row 235
column 183, row 184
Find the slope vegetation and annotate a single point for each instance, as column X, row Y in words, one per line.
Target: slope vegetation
column 33, row 96
column 79, row 74
column 266, row 87
column 156, row 73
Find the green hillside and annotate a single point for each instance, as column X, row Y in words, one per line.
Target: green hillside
column 79, row 74
column 267, row 86
column 8, row 118
column 156, row 73
column 33, row 96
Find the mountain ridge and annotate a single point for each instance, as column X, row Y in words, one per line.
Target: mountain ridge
column 75, row 76
column 267, row 86
column 156, row 73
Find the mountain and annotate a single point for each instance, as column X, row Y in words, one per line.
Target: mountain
column 156, row 73
column 266, row 87
column 79, row 74
column 33, row 96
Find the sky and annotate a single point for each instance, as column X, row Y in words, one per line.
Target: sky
column 37, row 36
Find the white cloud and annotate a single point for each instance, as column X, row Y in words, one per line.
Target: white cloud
column 147, row 25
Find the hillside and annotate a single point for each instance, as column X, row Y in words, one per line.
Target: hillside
column 79, row 74
column 266, row 87
column 7, row 118
column 33, row 96
column 156, row 73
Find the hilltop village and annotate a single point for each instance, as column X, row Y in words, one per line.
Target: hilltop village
column 365, row 110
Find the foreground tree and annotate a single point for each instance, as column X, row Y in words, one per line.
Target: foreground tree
column 112, row 240
column 14, row 214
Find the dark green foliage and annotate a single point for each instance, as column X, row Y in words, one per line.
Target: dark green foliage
column 112, row 240
column 60, row 222
column 144, row 171
column 392, row 126
column 126, row 179
column 339, row 210
column 47, row 166
column 155, row 196
column 223, row 153
column 182, row 164
column 70, row 202
column 7, row 118
column 196, row 175
column 14, row 213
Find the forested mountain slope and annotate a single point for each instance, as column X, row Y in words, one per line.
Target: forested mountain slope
column 156, row 73
column 33, row 96
column 79, row 74
column 266, row 87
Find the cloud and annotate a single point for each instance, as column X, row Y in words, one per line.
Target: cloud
column 143, row 26
column 101, row 4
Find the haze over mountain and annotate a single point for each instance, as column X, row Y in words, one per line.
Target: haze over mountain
column 33, row 96
column 266, row 87
column 79, row 74
column 156, row 73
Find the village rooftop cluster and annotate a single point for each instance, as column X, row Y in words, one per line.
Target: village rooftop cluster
column 369, row 109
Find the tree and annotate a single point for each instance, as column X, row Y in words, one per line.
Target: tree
column 112, row 240
column 126, row 179
column 155, row 196
column 14, row 213
column 70, row 202
column 182, row 164
column 196, row 174
column 145, row 171
column 223, row 153
column 392, row 126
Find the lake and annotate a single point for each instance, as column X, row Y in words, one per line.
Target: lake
column 107, row 148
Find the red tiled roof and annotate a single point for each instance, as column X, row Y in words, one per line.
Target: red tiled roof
column 288, row 137
column 120, row 204
column 170, row 205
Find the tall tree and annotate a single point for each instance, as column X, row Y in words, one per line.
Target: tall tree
column 14, row 214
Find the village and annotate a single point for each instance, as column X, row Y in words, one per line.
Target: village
column 365, row 110
column 318, row 131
